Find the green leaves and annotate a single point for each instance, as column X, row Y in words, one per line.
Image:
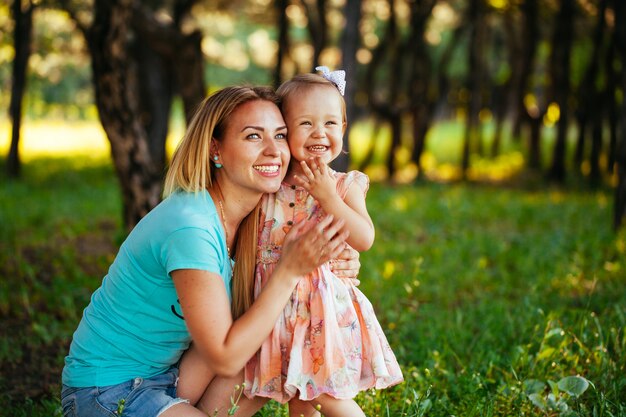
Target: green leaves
column 573, row 385
column 557, row 399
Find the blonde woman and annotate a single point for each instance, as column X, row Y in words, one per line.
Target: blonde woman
column 172, row 277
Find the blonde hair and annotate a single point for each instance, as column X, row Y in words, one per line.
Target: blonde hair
column 290, row 89
column 190, row 170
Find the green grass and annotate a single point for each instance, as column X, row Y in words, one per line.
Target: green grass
column 486, row 293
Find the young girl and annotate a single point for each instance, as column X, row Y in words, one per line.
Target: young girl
column 327, row 345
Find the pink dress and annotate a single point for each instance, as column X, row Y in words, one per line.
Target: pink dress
column 327, row 339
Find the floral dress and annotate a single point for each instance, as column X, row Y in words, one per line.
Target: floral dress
column 327, row 340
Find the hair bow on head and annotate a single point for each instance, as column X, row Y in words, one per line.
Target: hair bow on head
column 336, row 77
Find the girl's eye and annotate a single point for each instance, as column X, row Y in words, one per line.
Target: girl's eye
column 306, row 123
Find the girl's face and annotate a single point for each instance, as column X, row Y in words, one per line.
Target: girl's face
column 315, row 121
column 253, row 150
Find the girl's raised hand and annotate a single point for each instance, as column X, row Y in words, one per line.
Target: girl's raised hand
column 318, row 179
column 306, row 247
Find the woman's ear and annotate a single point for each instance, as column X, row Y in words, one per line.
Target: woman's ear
column 213, row 149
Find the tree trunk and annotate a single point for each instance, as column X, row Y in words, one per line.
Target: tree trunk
column 117, row 99
column 318, row 28
column 422, row 103
column 175, row 56
column 474, row 83
column 589, row 98
column 283, row 40
column 155, row 97
column 620, row 157
column 612, row 80
column 22, row 34
column 560, row 76
column 350, row 41
column 595, row 176
column 530, row 40
column 390, row 109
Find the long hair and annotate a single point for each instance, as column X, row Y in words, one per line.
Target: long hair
column 190, row 171
column 289, row 90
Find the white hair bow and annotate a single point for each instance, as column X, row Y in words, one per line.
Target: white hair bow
column 336, row 77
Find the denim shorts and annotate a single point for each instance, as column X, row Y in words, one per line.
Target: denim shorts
column 141, row 397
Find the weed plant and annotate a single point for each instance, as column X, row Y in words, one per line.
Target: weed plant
column 497, row 301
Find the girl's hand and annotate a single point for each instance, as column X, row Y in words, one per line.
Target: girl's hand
column 318, row 179
column 308, row 246
column 347, row 265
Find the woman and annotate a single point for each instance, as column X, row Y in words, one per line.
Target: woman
column 171, row 279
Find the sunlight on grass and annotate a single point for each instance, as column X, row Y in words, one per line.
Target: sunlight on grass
column 60, row 138
column 440, row 159
column 57, row 138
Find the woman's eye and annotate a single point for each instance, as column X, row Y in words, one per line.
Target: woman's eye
column 253, row 136
column 281, row 136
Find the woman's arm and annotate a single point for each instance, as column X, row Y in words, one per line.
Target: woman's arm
column 225, row 345
column 321, row 184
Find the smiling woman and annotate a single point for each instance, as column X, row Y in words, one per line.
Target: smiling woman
column 171, row 280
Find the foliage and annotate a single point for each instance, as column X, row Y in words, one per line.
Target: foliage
column 497, row 301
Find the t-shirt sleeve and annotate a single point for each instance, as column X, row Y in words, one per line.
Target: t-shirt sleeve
column 192, row 248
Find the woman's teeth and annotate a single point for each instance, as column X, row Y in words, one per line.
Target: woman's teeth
column 268, row 169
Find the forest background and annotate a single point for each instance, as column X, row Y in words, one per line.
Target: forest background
column 493, row 132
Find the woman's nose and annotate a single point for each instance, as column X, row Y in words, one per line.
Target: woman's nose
column 271, row 147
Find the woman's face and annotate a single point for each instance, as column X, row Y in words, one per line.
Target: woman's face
column 254, row 150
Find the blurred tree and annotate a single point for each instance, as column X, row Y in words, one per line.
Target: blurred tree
column 22, row 13
column 283, row 39
column 560, row 77
column 317, row 27
column 138, row 62
column 620, row 158
column 384, row 83
column 349, row 43
column 528, row 113
column 591, row 100
column 474, row 80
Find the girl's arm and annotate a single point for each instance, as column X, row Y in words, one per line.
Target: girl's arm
column 225, row 345
column 320, row 182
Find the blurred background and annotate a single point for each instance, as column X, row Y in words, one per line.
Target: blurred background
column 494, row 133
column 437, row 89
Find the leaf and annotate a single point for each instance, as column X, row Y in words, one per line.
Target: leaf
column 534, row 386
column 573, row 385
column 554, row 387
column 538, row 401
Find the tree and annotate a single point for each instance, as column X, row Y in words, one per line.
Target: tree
column 138, row 63
column 560, row 77
column 350, row 41
column 23, row 18
column 475, row 70
column 620, row 43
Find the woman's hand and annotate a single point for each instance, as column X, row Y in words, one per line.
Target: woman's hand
column 308, row 246
column 347, row 265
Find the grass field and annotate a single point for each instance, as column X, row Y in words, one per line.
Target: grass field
column 494, row 298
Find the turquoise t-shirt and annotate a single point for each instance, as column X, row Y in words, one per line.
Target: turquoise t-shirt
column 134, row 326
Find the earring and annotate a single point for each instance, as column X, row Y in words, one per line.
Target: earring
column 215, row 159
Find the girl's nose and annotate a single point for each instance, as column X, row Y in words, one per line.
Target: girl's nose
column 318, row 131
